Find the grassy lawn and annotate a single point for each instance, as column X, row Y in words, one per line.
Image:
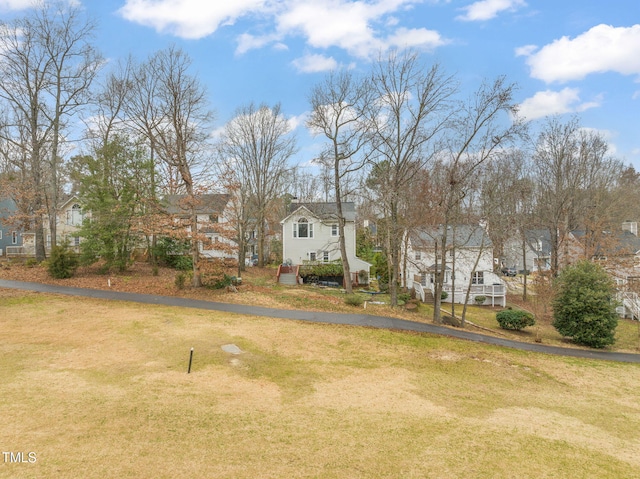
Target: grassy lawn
column 259, row 287
column 99, row 389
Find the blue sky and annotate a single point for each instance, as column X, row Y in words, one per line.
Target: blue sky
column 566, row 56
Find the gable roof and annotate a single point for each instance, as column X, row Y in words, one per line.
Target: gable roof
column 213, row 203
column 467, row 236
column 70, row 199
column 618, row 243
column 539, row 238
column 325, row 211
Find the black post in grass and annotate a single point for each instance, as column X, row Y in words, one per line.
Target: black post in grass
column 190, row 361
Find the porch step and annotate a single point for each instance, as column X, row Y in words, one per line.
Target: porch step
column 428, row 297
column 288, row 279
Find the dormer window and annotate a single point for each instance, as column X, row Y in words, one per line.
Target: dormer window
column 303, row 229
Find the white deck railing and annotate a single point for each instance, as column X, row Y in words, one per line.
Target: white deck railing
column 491, row 291
column 631, row 303
column 15, row 251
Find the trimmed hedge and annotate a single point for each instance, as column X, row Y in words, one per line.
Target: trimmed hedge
column 515, row 319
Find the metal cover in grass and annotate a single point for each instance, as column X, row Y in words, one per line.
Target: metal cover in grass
column 231, row 348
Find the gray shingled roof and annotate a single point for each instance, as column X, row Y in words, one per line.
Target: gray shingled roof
column 207, row 204
column 617, row 243
column 327, row 211
column 469, row 236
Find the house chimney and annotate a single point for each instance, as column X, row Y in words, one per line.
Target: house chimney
column 294, row 199
column 630, row 226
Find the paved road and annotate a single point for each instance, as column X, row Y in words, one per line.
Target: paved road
column 382, row 322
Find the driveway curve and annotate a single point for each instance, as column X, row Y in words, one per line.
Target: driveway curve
column 381, row 322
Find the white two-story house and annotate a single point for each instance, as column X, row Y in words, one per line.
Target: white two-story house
column 310, row 233
column 467, row 260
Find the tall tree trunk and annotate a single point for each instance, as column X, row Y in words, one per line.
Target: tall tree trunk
column 346, row 269
column 524, row 263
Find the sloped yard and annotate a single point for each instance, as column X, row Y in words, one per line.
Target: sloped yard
column 259, row 287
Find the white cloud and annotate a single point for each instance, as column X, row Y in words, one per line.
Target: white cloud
column 187, row 18
column 315, row 63
column 248, row 42
column 349, row 24
column 296, row 121
column 420, row 37
column 362, row 28
column 526, row 50
column 547, row 103
column 602, row 48
column 17, row 4
column 488, row 9
column 352, row 26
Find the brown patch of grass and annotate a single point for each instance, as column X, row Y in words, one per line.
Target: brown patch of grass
column 100, row 389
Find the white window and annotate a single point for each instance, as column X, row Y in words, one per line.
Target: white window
column 325, row 256
column 76, row 241
column 418, row 256
column 14, row 237
column 0, row 234
column 312, row 255
column 334, row 230
column 74, row 216
column 478, row 277
column 303, row 229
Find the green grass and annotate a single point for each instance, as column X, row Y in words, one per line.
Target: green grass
column 100, row 389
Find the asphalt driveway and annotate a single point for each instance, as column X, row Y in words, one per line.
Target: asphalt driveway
column 366, row 320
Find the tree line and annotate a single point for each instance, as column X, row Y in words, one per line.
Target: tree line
column 398, row 137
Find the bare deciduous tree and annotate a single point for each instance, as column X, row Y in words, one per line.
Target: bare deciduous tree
column 180, row 132
column 259, row 141
column 570, row 165
column 410, row 109
column 47, row 65
column 338, row 108
column 481, row 130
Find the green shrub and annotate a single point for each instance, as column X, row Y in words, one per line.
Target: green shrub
column 380, row 269
column 63, row 262
column 31, row 262
column 583, row 307
column 444, row 295
column 404, row 297
column 180, row 280
column 480, row 299
column 174, row 254
column 515, row 319
column 321, row 269
column 353, row 300
column 221, row 283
